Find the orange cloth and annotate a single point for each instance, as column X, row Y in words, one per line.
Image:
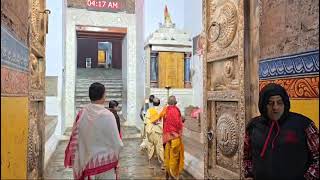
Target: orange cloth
column 174, row 157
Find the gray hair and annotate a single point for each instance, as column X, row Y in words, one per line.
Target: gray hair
column 172, row 100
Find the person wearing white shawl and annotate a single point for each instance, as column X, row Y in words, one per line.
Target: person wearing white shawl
column 95, row 144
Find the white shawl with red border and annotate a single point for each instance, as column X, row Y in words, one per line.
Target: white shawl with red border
column 94, row 144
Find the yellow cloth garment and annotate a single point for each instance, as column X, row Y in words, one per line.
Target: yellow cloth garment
column 152, row 115
column 154, row 133
column 174, row 157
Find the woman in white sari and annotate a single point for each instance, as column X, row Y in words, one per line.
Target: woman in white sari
column 94, row 146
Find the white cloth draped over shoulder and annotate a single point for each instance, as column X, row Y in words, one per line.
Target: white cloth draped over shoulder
column 95, row 144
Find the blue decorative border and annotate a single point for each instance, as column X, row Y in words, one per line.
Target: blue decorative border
column 290, row 66
column 13, row 53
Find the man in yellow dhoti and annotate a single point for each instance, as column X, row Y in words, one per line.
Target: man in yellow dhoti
column 172, row 138
column 154, row 131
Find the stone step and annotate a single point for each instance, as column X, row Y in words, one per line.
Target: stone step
column 109, row 98
column 108, row 94
column 84, row 104
column 106, row 86
column 102, row 82
column 50, row 126
column 86, row 89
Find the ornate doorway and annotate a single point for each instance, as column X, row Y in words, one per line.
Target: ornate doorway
column 224, row 89
column 36, row 140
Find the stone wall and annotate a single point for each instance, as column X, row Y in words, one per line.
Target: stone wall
column 14, row 15
column 288, row 27
column 289, row 51
column 129, row 5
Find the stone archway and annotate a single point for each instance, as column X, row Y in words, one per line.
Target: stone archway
column 76, row 17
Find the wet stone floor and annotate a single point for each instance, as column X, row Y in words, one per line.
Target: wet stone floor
column 133, row 162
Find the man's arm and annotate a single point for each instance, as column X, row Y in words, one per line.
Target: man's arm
column 312, row 134
column 247, row 157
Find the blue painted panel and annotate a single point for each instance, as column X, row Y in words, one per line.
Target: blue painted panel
column 290, row 66
column 14, row 54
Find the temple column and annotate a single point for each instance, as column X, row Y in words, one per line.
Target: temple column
column 154, row 69
column 187, row 78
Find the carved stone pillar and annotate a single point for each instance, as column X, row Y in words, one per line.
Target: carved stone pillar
column 187, row 75
column 36, row 140
column 154, row 69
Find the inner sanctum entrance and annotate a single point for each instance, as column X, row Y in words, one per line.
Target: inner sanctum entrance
column 99, row 47
column 99, row 59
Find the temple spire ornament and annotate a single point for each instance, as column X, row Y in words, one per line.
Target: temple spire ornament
column 167, row 17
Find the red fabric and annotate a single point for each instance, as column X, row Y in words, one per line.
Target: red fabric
column 69, row 152
column 291, row 137
column 277, row 134
column 94, row 171
column 172, row 124
column 313, row 146
column 247, row 157
column 267, row 141
column 196, row 112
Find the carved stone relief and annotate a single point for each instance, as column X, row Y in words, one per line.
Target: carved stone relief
column 38, row 24
column 224, row 87
column 37, row 70
column 36, row 90
column 223, row 75
column 35, row 20
column 34, row 72
column 227, row 131
column 35, row 140
column 223, row 27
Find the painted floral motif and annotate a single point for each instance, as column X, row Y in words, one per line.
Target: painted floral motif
column 290, row 66
column 306, row 87
column 14, row 82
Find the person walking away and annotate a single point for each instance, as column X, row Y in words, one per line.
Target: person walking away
column 154, row 131
column 114, row 108
column 148, row 104
column 172, row 138
column 94, row 146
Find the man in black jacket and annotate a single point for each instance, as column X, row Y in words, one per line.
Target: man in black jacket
column 280, row 144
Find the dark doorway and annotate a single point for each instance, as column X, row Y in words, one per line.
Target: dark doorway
column 99, row 47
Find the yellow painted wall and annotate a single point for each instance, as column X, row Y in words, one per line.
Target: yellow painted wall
column 307, row 107
column 14, row 137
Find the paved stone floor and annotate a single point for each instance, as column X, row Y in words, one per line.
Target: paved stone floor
column 133, row 162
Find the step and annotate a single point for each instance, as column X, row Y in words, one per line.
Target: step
column 108, row 94
column 102, row 82
column 105, row 85
column 83, row 105
column 108, row 86
column 81, row 88
column 99, row 80
column 50, row 126
column 86, row 90
column 109, row 98
column 78, row 102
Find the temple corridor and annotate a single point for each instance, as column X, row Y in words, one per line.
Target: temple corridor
column 133, row 162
